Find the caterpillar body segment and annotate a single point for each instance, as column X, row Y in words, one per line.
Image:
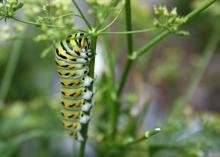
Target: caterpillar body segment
column 75, row 116
column 75, row 93
column 73, row 74
column 72, row 57
column 85, row 81
column 65, row 65
column 76, row 135
column 76, row 105
column 77, row 52
column 79, row 40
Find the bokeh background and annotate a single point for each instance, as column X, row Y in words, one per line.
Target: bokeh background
column 176, row 87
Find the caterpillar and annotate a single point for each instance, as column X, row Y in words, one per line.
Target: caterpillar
column 72, row 57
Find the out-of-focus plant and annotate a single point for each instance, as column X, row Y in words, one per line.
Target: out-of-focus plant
column 54, row 19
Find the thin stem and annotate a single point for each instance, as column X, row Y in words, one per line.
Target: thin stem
column 129, row 26
column 91, row 74
column 146, row 136
column 82, row 15
column 34, row 23
column 68, row 14
column 111, row 23
column 124, row 75
column 115, row 112
column 129, row 32
column 165, row 33
column 130, row 46
column 38, row 24
column 10, row 69
column 157, row 39
column 199, row 10
column 150, row 44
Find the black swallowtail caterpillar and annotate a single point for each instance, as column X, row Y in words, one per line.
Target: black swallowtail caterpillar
column 72, row 58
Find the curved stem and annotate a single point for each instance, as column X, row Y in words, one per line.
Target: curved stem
column 68, row 14
column 157, row 39
column 34, row 23
column 91, row 74
column 82, row 15
column 38, row 24
column 129, row 32
column 111, row 23
column 116, row 109
column 165, row 33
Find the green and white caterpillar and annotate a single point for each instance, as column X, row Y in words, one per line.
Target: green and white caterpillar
column 72, row 57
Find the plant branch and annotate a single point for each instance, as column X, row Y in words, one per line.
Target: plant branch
column 38, row 24
column 157, row 39
column 165, row 33
column 68, row 14
column 146, row 136
column 82, row 15
column 129, row 32
column 115, row 112
column 34, row 23
column 111, row 23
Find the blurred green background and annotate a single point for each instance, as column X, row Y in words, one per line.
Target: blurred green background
column 175, row 87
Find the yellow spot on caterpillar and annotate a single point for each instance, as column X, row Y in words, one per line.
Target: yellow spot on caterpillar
column 65, row 83
column 76, row 116
column 72, row 66
column 83, row 42
column 77, row 93
column 72, row 42
column 67, row 93
column 72, row 73
column 60, row 52
column 70, row 57
column 78, row 104
column 66, row 105
column 76, row 83
column 74, row 125
column 76, row 50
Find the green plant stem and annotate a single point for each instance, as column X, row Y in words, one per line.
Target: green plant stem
column 147, row 47
column 116, row 110
column 68, row 14
column 146, row 136
column 157, row 39
column 82, row 15
column 111, row 23
column 33, row 23
column 39, row 25
column 10, row 69
column 130, row 46
column 129, row 26
column 91, row 74
column 128, row 32
column 165, row 33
